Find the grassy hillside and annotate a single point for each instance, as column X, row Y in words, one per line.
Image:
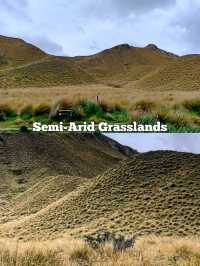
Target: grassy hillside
column 181, row 74
column 124, row 62
column 153, row 193
column 24, row 65
column 27, row 158
column 51, row 71
column 15, row 52
column 32, row 67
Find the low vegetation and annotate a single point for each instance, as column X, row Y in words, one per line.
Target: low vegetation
column 148, row 251
column 182, row 117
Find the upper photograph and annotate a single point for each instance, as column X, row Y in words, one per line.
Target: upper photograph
column 131, row 66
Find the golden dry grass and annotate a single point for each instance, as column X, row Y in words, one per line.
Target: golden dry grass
column 20, row 97
column 148, row 251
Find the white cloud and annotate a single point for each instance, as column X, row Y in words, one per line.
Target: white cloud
column 152, row 142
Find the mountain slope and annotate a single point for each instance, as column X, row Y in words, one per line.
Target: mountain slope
column 181, row 74
column 24, row 65
column 15, row 52
column 156, row 192
column 28, row 158
column 124, row 62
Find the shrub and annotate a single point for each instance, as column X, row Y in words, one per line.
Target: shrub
column 120, row 117
column 192, row 105
column 110, row 107
column 145, row 106
column 177, row 119
column 27, row 112
column 42, row 110
column 7, row 113
column 91, row 108
column 149, row 119
column 24, row 129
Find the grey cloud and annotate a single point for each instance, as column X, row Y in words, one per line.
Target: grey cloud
column 88, row 26
column 140, row 5
column 17, row 8
column 47, row 45
column 189, row 21
column 100, row 8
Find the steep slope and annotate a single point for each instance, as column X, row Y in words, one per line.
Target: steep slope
column 15, row 52
column 156, row 192
column 25, row 159
column 181, row 74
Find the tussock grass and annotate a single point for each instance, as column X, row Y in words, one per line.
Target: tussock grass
column 7, row 113
column 192, row 105
column 148, row 251
column 42, row 110
column 181, row 117
column 145, row 106
column 26, row 112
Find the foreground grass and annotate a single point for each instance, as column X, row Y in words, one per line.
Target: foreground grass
column 182, row 117
column 148, row 251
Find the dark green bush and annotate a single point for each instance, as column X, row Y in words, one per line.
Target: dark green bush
column 7, row 113
column 26, row 113
column 192, row 105
column 91, row 108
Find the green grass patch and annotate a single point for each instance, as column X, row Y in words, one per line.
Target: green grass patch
column 26, row 113
column 7, row 113
column 178, row 118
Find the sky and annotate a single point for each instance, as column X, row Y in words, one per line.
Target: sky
column 151, row 142
column 82, row 27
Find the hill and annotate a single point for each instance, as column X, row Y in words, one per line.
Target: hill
column 124, row 62
column 24, row 65
column 15, row 52
column 28, row 158
column 181, row 74
column 152, row 193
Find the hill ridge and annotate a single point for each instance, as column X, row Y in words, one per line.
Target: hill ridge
column 150, row 193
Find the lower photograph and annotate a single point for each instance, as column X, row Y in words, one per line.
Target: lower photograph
column 69, row 199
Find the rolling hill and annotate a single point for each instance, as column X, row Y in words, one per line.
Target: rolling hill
column 150, row 193
column 24, row 65
column 28, row 158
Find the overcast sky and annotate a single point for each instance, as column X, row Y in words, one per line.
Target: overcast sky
column 74, row 27
column 148, row 142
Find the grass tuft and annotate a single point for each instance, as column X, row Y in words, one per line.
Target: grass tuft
column 42, row 110
column 27, row 112
column 192, row 105
column 7, row 113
